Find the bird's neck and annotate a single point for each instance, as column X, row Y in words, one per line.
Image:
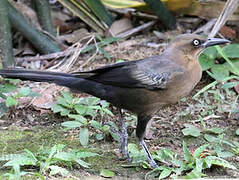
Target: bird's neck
column 184, row 59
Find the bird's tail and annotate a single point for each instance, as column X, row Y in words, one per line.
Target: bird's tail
column 62, row 79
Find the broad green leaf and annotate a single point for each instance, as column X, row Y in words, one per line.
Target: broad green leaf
column 62, row 101
column 78, row 117
column 107, row 173
column 235, row 67
column 65, row 156
column 11, row 101
column 58, row 170
column 191, row 130
column 56, row 108
column 199, row 151
column 205, row 62
column 71, row 124
column 231, row 50
column 80, row 109
column 8, row 88
column 186, row 153
column 67, row 96
column 213, row 160
column 219, row 72
column 84, row 154
column 237, row 131
column 211, row 52
column 216, row 130
column 194, row 174
column 84, row 136
column 107, row 111
column 24, row 91
column 96, row 124
column 199, row 165
column 165, row 173
column 82, row 163
column 210, row 138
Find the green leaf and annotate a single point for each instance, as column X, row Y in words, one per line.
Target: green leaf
column 82, row 163
column 84, row 154
column 211, row 52
column 78, row 117
column 84, row 136
column 65, row 156
column 56, row 108
column 107, row 173
column 191, row 130
column 194, row 174
column 216, row 130
column 165, row 173
column 219, row 72
column 213, row 160
column 231, row 50
column 24, row 91
column 199, row 151
column 58, row 170
column 237, row 132
column 67, row 96
column 71, row 124
column 80, row 109
column 11, row 101
column 8, row 88
column 205, row 62
column 210, row 138
column 199, row 165
column 62, row 101
column 96, row 124
column 107, row 111
column 186, row 153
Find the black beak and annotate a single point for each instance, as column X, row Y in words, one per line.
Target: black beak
column 214, row 41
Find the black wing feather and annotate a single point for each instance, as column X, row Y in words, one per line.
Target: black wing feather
column 135, row 74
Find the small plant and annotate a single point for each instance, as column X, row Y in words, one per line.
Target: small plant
column 53, row 161
column 83, row 112
column 221, row 72
column 9, row 86
column 191, row 167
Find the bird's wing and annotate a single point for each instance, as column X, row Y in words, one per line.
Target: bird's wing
column 151, row 73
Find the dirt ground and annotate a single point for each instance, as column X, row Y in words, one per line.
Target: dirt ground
column 25, row 127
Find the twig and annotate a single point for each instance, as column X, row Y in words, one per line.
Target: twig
column 228, row 10
column 135, row 30
column 207, row 27
column 96, row 52
column 43, row 57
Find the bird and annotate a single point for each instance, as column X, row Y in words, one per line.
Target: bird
column 141, row 86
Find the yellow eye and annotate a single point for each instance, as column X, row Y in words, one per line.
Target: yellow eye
column 196, row 42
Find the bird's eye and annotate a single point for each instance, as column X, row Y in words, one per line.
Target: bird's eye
column 196, row 42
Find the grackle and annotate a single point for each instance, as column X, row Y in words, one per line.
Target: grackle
column 141, row 86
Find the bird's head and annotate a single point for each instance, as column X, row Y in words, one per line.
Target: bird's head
column 192, row 45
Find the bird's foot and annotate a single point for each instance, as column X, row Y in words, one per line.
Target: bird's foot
column 151, row 161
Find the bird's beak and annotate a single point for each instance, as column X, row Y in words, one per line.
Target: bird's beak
column 214, row 41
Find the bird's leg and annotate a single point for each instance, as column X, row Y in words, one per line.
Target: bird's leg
column 123, row 138
column 151, row 161
column 140, row 131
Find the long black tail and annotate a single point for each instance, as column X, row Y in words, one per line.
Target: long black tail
column 62, row 79
column 74, row 82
